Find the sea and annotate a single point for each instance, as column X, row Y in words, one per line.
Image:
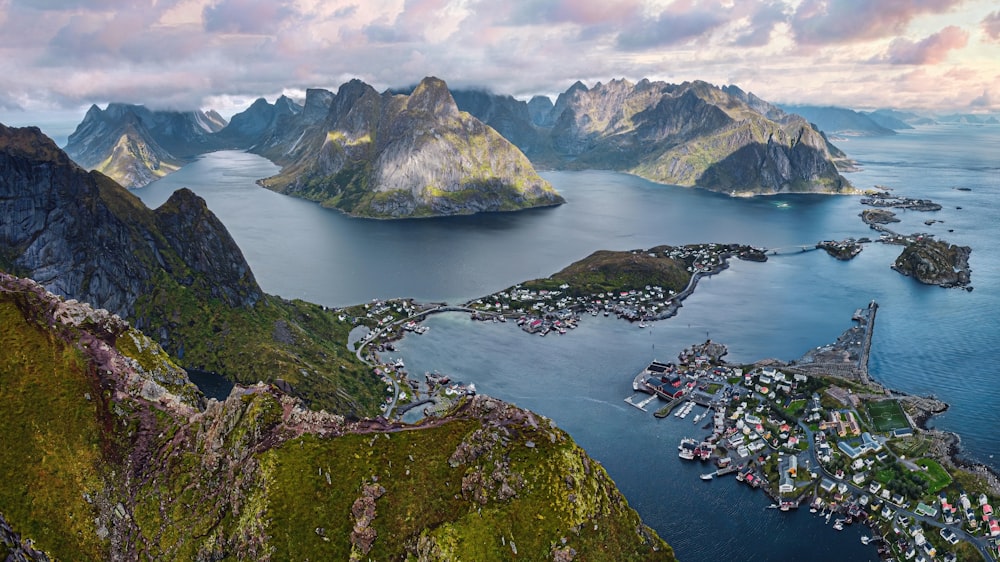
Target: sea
column 927, row 340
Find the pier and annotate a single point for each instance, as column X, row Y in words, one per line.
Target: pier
column 641, row 405
column 866, row 346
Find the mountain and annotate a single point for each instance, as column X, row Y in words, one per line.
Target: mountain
column 969, row 119
column 690, row 134
column 135, row 145
column 840, row 120
column 174, row 272
column 397, row 156
column 895, row 120
column 249, row 127
column 283, row 138
column 110, row 453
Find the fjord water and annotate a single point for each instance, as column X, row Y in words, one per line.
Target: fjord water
column 927, row 339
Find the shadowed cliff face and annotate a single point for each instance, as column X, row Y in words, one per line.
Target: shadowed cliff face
column 85, row 237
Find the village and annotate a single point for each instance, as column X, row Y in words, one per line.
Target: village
column 551, row 305
column 813, row 434
column 826, row 443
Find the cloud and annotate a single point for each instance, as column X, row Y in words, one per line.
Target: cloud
column 675, row 25
column 253, row 17
column 991, row 25
column 982, row 100
column 583, row 13
column 762, row 24
column 822, row 22
column 930, row 50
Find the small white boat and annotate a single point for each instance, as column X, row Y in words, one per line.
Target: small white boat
column 865, row 539
column 839, row 525
column 708, row 476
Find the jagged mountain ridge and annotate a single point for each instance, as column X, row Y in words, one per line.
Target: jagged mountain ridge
column 135, row 145
column 174, row 272
column 61, row 217
column 690, row 134
column 394, row 155
column 112, row 454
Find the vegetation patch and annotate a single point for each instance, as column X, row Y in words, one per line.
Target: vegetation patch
column 240, row 344
column 48, row 461
column 937, row 477
column 608, row 271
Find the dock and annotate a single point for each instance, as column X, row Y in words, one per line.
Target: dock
column 867, row 344
column 642, row 404
column 671, row 405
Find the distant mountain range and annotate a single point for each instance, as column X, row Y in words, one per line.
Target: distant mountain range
column 690, row 134
column 846, row 122
column 429, row 151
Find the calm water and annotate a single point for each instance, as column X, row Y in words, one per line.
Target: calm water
column 928, row 340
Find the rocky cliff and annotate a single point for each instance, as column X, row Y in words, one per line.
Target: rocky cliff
column 174, row 272
column 690, row 134
column 935, row 262
column 83, row 236
column 111, row 454
column 394, row 156
column 134, row 145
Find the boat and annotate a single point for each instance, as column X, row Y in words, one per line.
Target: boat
column 642, row 325
column 708, row 476
column 829, row 513
column 865, row 539
column 686, row 448
column 839, row 525
column 773, row 506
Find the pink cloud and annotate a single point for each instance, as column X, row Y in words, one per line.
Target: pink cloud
column 677, row 24
column 930, row 50
column 246, row 16
column 821, row 22
column 991, row 25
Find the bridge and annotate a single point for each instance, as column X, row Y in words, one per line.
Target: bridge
column 796, row 249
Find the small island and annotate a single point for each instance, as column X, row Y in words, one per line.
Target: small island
column 935, row 262
column 929, row 261
column 843, row 250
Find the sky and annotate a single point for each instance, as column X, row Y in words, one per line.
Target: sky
column 58, row 57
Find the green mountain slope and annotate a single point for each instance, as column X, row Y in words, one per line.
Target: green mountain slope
column 126, row 461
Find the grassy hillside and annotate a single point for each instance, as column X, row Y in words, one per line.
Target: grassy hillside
column 108, row 455
column 606, row 270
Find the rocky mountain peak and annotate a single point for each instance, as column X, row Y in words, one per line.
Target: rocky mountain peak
column 317, row 104
column 432, row 96
column 30, row 143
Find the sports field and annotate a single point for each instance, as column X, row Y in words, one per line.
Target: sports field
column 886, row 416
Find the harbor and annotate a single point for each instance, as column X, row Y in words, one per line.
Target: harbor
column 808, row 433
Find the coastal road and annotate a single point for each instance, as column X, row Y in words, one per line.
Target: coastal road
column 359, row 352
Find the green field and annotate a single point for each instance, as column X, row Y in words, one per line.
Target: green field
column 886, row 416
column 937, row 477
